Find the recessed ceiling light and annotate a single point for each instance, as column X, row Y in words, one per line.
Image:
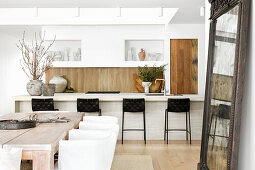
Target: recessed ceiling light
column 118, row 14
column 202, row 11
column 35, row 12
column 77, row 14
column 160, row 13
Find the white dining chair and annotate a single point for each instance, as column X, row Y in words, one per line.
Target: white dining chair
column 79, row 134
column 10, row 159
column 87, row 150
column 101, row 119
column 86, row 125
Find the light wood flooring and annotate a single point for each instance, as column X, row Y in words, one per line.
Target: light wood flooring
column 176, row 155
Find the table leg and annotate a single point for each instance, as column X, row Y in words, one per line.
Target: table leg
column 43, row 160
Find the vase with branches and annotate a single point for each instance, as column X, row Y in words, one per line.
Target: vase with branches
column 35, row 61
column 149, row 74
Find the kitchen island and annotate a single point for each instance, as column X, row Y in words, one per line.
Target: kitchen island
column 111, row 105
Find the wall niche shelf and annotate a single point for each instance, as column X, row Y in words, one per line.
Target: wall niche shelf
column 154, row 50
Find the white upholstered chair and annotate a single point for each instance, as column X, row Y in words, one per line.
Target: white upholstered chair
column 86, row 125
column 10, row 159
column 88, row 134
column 87, row 150
column 101, row 119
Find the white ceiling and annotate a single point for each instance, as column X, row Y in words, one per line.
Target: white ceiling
column 188, row 16
column 101, row 3
column 86, row 16
column 188, row 9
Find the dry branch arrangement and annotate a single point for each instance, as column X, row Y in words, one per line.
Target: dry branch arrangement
column 36, row 59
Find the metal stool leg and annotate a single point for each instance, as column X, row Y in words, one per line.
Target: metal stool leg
column 186, row 126
column 210, row 126
column 99, row 113
column 144, row 126
column 122, row 127
column 214, row 132
column 189, row 128
column 167, row 128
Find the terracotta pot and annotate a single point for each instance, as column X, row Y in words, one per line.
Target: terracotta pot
column 60, row 82
column 142, row 55
column 34, row 87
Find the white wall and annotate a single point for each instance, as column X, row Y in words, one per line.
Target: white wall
column 104, row 46
column 207, row 30
column 191, row 31
column 13, row 80
column 101, row 45
column 247, row 140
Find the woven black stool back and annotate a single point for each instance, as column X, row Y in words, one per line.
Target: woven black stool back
column 224, row 111
column 133, row 105
column 43, row 105
column 88, row 105
column 219, row 112
column 178, row 105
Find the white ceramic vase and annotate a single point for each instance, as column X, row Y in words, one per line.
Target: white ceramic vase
column 146, row 86
column 61, row 83
column 34, row 87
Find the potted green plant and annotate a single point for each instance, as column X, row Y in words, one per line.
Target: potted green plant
column 149, row 74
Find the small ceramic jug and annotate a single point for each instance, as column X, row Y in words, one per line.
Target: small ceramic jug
column 142, row 55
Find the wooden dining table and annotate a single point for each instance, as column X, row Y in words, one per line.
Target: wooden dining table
column 39, row 144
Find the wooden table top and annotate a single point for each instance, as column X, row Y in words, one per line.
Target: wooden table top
column 45, row 136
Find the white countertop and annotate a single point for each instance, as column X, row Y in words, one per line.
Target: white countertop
column 108, row 97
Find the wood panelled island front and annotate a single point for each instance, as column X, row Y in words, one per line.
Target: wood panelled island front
column 111, row 105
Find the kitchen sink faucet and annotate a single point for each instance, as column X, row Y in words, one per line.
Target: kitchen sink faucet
column 164, row 90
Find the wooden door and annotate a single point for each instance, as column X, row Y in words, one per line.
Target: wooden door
column 184, row 66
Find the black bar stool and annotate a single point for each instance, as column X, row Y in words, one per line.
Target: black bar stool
column 88, row 105
column 178, row 105
column 222, row 112
column 43, row 105
column 134, row 105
